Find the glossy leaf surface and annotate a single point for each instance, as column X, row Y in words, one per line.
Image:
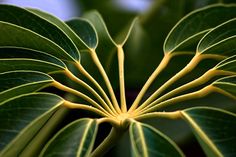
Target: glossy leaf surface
column 216, row 42
column 227, row 84
column 16, row 36
column 149, row 142
column 17, row 53
column 15, row 83
column 26, row 19
column 214, row 129
column 75, row 140
column 62, row 25
column 193, row 26
column 85, row 31
column 28, row 64
column 228, row 64
column 22, row 117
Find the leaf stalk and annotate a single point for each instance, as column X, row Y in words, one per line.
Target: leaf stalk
column 120, row 54
column 86, row 86
column 106, row 79
column 87, row 75
column 150, row 80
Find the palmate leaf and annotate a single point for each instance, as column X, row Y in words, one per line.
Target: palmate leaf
column 216, row 42
column 26, row 19
column 32, row 41
column 227, row 84
column 22, row 117
column 192, row 27
column 76, row 139
column 14, row 83
column 148, row 142
column 214, row 129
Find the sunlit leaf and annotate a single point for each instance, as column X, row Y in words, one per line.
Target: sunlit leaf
column 14, row 83
column 26, row 19
column 22, row 117
column 149, row 142
column 214, row 129
column 75, row 140
column 192, row 27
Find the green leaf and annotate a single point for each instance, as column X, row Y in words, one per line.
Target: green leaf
column 106, row 46
column 148, row 142
column 14, row 83
column 13, row 64
column 85, row 31
column 63, row 26
column 76, row 139
column 6, row 53
column 22, row 117
column 228, row 64
column 188, row 31
column 227, row 84
column 28, row 20
column 123, row 36
column 15, row 36
column 109, row 8
column 214, row 130
column 220, row 40
column 35, row 146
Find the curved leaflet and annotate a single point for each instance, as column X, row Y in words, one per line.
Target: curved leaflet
column 27, row 113
column 214, row 130
column 82, row 131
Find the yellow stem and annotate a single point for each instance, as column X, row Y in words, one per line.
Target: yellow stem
column 198, row 94
column 87, row 75
column 201, row 80
column 218, row 90
column 189, row 67
column 169, row 115
column 85, row 85
column 121, row 78
column 106, row 79
column 150, row 80
column 79, row 94
column 72, row 105
column 113, row 121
